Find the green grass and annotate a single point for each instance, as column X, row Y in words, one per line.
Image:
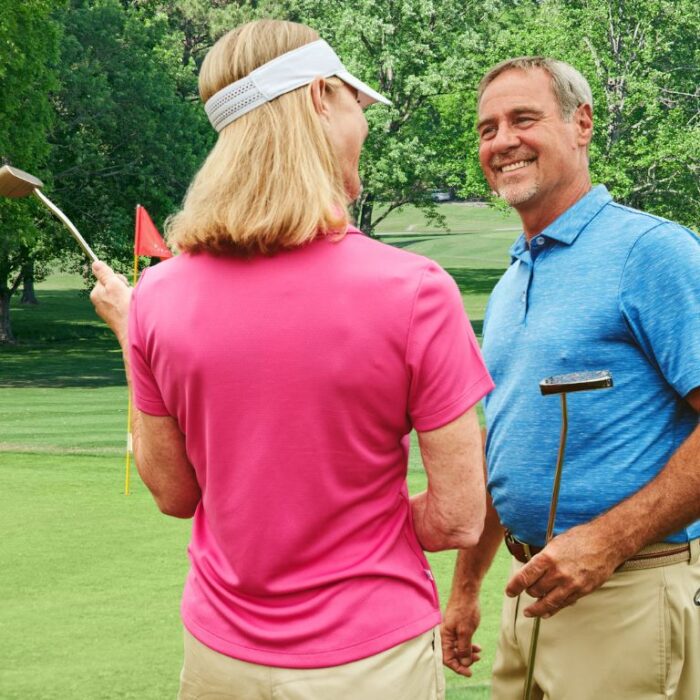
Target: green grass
column 91, row 579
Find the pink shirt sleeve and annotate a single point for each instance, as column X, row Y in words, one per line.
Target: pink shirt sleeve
column 147, row 396
column 447, row 372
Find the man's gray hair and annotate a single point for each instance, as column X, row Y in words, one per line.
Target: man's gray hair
column 570, row 88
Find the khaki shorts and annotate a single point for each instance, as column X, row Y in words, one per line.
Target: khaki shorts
column 409, row 671
column 635, row 638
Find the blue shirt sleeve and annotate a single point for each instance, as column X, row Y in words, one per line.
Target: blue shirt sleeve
column 660, row 302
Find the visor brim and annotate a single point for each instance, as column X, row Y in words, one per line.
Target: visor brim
column 366, row 95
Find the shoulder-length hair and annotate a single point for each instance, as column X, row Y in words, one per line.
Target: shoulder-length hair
column 272, row 180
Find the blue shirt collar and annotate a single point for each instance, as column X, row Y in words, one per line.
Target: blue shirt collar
column 567, row 227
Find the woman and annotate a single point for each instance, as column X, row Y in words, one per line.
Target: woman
column 278, row 365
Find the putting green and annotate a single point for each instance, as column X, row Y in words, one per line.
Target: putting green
column 92, row 579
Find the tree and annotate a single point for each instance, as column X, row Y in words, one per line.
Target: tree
column 642, row 59
column 645, row 59
column 127, row 131
column 420, row 54
column 29, row 38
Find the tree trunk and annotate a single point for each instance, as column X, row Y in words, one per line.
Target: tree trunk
column 28, row 296
column 366, row 215
column 6, row 336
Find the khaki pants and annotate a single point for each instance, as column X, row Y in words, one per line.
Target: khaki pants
column 409, row 671
column 635, row 638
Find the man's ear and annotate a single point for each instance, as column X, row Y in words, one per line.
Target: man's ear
column 319, row 96
column 583, row 118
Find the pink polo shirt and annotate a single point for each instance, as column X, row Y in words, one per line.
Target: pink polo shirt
column 296, row 380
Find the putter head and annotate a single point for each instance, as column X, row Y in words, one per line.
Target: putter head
column 576, row 381
column 17, row 183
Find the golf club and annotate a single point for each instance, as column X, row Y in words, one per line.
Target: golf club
column 561, row 384
column 16, row 183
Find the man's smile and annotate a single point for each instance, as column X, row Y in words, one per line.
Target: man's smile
column 510, row 167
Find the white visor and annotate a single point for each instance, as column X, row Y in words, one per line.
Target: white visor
column 283, row 74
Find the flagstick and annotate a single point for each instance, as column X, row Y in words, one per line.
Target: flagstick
column 156, row 247
column 128, row 407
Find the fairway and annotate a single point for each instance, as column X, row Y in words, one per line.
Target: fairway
column 91, row 578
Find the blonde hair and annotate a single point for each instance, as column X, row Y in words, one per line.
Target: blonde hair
column 570, row 88
column 272, row 180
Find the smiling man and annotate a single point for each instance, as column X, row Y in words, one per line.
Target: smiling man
column 592, row 285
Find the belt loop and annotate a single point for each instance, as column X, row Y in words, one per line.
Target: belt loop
column 694, row 550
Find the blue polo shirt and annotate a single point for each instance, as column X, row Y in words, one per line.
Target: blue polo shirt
column 602, row 287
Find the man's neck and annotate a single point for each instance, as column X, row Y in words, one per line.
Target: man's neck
column 536, row 218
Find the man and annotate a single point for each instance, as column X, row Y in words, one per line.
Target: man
column 592, row 285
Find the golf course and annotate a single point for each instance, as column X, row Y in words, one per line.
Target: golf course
column 91, row 578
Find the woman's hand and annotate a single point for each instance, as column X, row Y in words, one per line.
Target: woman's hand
column 111, row 296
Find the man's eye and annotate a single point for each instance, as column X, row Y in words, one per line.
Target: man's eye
column 487, row 132
column 524, row 120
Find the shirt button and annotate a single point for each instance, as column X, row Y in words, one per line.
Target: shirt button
column 539, row 240
column 522, row 297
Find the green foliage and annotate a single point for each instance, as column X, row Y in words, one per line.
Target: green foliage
column 127, row 131
column 422, row 55
column 28, row 50
column 99, row 99
column 642, row 60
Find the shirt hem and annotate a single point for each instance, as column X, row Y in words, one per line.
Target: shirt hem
column 151, row 408
column 467, row 400
column 320, row 659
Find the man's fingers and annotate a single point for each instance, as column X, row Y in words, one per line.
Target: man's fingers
column 527, row 576
column 551, row 604
column 455, row 665
column 541, row 587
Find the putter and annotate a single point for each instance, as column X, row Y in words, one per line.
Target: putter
column 16, row 183
column 561, row 384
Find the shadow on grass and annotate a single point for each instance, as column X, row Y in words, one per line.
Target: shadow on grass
column 60, row 343
column 396, row 239
column 475, row 280
column 469, row 693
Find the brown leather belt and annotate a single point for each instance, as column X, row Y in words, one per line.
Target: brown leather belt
column 649, row 557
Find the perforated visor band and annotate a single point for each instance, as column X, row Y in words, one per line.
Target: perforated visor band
column 283, row 74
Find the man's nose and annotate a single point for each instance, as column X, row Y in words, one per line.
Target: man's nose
column 505, row 139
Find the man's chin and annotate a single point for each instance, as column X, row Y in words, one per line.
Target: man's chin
column 516, row 196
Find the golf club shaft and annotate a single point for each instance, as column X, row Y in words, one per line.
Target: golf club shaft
column 550, row 530
column 68, row 223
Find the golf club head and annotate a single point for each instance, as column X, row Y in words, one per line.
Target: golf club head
column 576, row 381
column 17, row 183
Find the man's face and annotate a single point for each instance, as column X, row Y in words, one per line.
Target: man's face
column 530, row 156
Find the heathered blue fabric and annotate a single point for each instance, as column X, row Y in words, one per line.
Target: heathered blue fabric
column 604, row 287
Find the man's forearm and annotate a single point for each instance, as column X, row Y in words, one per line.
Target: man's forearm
column 473, row 562
column 666, row 504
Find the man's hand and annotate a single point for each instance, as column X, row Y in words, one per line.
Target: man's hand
column 572, row 565
column 111, row 296
column 461, row 619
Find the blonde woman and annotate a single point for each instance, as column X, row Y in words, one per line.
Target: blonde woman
column 278, row 365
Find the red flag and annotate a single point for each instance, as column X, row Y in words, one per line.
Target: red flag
column 147, row 240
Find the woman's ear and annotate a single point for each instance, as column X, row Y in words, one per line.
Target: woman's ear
column 319, row 96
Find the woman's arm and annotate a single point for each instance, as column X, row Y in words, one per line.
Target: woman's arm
column 159, row 445
column 450, row 514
